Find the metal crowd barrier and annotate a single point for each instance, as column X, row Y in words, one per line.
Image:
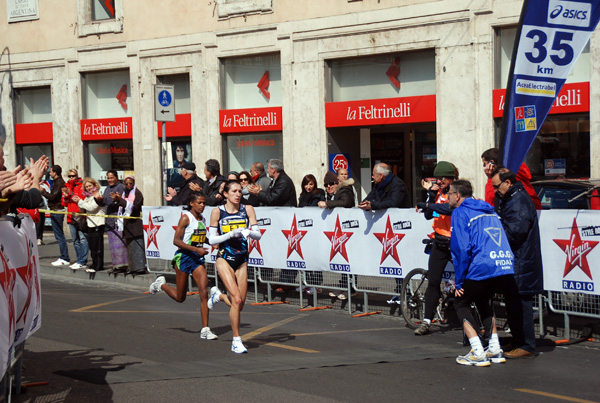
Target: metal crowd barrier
column 573, row 304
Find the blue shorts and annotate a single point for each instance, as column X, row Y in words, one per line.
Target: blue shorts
column 235, row 261
column 186, row 261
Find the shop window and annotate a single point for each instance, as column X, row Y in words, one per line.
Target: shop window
column 181, row 82
column 505, row 39
column 33, row 105
column 106, row 95
column 561, row 149
column 178, row 152
column 99, row 17
column 244, row 150
column 26, row 152
column 234, row 8
column 117, row 155
column 252, row 82
column 382, row 76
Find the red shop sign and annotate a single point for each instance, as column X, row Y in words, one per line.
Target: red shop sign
column 572, row 98
column 106, row 129
column 33, row 133
column 250, row 120
column 181, row 127
column 385, row 111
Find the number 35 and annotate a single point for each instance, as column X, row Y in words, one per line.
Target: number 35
column 560, row 42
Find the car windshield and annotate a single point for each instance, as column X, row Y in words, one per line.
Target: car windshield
column 559, row 198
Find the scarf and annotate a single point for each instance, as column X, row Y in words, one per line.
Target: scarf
column 383, row 184
column 126, row 212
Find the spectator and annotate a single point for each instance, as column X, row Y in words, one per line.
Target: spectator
column 39, row 226
column 130, row 205
column 94, row 204
column 214, row 180
column 389, row 190
column 118, row 250
column 339, row 194
column 311, row 195
column 55, row 204
column 80, row 243
column 259, row 176
column 477, row 235
column 520, row 222
column 192, row 184
column 490, row 163
column 437, row 208
column 247, row 198
column 281, row 192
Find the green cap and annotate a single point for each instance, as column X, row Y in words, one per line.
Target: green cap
column 444, row 168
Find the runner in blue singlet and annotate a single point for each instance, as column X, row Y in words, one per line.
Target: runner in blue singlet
column 190, row 237
column 230, row 226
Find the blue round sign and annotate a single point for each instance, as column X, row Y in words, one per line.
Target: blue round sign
column 164, row 98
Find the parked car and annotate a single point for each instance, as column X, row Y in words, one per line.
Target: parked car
column 568, row 194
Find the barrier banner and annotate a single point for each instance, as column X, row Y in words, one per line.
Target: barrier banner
column 385, row 243
column 20, row 289
column 550, row 38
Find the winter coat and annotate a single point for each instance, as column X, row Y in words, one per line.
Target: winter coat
column 92, row 207
column 478, row 243
column 55, row 195
column 520, row 221
column 75, row 189
column 311, row 199
column 281, row 192
column 389, row 193
column 344, row 195
column 211, row 190
column 523, row 176
column 181, row 198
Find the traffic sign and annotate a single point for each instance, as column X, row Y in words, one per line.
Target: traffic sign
column 164, row 103
column 339, row 160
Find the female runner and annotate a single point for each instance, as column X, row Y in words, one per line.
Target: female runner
column 190, row 236
column 230, row 226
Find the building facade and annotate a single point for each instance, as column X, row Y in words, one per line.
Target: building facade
column 316, row 84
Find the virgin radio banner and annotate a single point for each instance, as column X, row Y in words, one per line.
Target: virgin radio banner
column 20, row 291
column 551, row 36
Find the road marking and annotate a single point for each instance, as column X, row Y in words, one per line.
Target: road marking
column 302, row 350
column 568, row 398
column 87, row 308
column 264, row 329
column 345, row 331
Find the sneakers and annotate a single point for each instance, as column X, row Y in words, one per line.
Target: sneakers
column 332, row 294
column 89, row 270
column 40, row 242
column 238, row 347
column 77, row 266
column 423, row 329
column 343, row 296
column 474, row 360
column 394, row 300
column 495, row 356
column 155, row 287
column 213, row 297
column 60, row 262
column 207, row 334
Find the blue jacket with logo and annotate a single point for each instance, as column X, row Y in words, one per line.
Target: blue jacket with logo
column 479, row 246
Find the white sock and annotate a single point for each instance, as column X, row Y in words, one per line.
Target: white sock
column 237, row 338
column 494, row 342
column 476, row 345
column 428, row 321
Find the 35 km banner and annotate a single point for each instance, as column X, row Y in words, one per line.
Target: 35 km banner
column 551, row 36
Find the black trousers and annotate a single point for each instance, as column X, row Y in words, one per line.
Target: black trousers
column 95, row 237
column 438, row 259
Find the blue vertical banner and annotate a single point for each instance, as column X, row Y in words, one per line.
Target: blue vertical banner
column 550, row 38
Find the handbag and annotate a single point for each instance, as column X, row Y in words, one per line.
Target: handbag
column 80, row 222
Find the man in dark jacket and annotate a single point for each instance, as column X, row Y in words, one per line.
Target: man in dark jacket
column 520, row 222
column 259, row 175
column 55, row 203
column 188, row 172
column 389, row 190
column 281, row 192
column 214, row 179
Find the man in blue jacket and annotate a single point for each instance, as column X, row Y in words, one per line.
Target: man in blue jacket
column 520, row 222
column 483, row 264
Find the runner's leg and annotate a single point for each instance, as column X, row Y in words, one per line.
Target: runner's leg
column 201, row 279
column 178, row 294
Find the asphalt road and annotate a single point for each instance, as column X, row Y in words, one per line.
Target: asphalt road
column 103, row 342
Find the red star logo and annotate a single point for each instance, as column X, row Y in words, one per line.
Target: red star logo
column 254, row 244
column 390, row 241
column 294, row 237
column 338, row 240
column 151, row 230
column 576, row 251
column 7, row 282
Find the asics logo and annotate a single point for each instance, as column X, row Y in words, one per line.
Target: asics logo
column 569, row 13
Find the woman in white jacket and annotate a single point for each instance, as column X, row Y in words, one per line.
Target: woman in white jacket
column 95, row 231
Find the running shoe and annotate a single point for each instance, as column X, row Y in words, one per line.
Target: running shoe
column 474, row 360
column 332, row 294
column 60, row 262
column 495, row 355
column 155, row 287
column 77, row 266
column 423, row 329
column 394, row 300
column 213, row 297
column 343, row 296
column 207, row 334
column 238, row 347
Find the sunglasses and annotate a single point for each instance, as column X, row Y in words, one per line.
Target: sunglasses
column 72, row 176
column 243, row 179
column 498, row 185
